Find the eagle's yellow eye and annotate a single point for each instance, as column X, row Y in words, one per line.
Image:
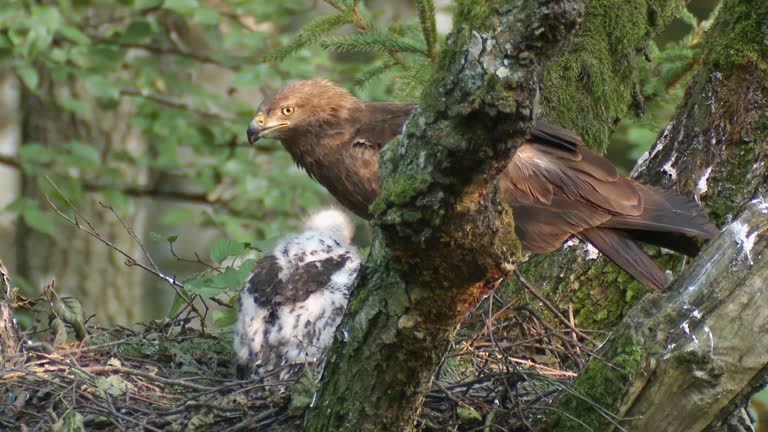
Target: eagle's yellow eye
column 286, row 111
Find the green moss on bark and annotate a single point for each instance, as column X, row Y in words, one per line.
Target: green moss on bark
column 590, row 88
column 599, row 386
column 474, row 13
column 733, row 42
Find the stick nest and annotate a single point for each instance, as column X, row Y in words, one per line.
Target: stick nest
column 504, row 371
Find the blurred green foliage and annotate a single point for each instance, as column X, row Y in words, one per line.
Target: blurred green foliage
column 182, row 66
column 179, row 72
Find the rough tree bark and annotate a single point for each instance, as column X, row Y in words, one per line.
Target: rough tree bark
column 440, row 236
column 688, row 358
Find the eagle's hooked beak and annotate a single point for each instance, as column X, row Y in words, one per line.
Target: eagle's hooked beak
column 258, row 128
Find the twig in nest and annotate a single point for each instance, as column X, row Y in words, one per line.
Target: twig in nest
column 552, row 309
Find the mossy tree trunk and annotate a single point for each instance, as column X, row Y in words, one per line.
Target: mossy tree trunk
column 688, row 358
column 441, row 237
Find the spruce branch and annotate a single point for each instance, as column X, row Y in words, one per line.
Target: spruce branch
column 371, row 42
column 361, row 24
column 426, row 10
column 309, row 34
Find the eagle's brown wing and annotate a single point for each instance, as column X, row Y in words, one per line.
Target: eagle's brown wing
column 558, row 188
column 377, row 124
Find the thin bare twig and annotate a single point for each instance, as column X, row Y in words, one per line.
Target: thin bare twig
column 91, row 230
column 173, row 103
column 552, row 309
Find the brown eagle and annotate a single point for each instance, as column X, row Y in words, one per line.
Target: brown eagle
column 556, row 186
column 294, row 299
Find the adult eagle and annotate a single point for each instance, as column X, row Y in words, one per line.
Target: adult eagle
column 555, row 185
column 295, row 297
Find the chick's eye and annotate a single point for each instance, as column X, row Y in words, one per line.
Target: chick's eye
column 286, row 111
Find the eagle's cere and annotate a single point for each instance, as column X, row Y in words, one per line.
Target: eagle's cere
column 556, row 186
column 293, row 301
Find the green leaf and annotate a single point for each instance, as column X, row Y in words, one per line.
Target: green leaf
column 116, row 199
column 161, row 238
column 59, row 332
column 468, row 414
column 101, row 87
column 72, row 421
column 27, row 74
column 74, row 34
column 37, row 220
column 70, row 311
column 138, row 30
column 182, row 7
column 203, row 286
column 207, row 16
column 113, row 385
column 75, row 106
column 177, row 216
column 84, row 152
column 225, row 318
column 224, row 248
column 35, row 153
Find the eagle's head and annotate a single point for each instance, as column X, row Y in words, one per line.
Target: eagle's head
column 303, row 110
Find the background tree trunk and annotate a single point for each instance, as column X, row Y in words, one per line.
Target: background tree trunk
column 9, row 333
column 440, row 235
column 82, row 266
column 701, row 345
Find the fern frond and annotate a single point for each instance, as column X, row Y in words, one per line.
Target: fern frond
column 309, row 34
column 426, row 10
column 371, row 42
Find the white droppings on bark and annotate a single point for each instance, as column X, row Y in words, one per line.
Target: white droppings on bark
column 761, row 204
column 710, row 337
column 702, row 184
column 668, row 169
column 592, row 252
column 657, row 146
column 573, row 241
column 685, row 326
column 743, row 238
